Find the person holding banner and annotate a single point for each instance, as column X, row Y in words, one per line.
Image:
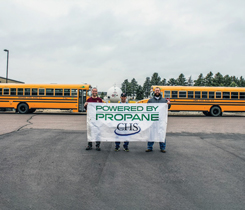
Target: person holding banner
column 93, row 99
column 157, row 98
column 125, row 145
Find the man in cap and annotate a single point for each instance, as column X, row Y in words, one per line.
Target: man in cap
column 125, row 145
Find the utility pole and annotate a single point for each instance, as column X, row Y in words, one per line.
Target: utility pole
column 7, row 64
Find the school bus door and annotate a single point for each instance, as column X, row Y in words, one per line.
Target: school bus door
column 82, row 100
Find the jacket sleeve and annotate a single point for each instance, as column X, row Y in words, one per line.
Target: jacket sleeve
column 150, row 100
column 85, row 107
column 166, row 101
column 169, row 106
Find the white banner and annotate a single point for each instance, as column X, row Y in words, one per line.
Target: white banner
column 127, row 122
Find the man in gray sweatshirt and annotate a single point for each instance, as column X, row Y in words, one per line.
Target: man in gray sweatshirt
column 157, row 98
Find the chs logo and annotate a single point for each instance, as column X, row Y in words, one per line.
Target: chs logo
column 127, row 129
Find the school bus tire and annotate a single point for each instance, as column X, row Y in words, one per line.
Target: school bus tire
column 206, row 113
column 215, row 111
column 23, row 108
column 31, row 110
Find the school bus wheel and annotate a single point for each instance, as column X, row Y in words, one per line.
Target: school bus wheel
column 23, row 108
column 206, row 113
column 215, row 111
column 31, row 110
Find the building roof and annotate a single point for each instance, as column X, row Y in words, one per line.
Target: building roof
column 11, row 79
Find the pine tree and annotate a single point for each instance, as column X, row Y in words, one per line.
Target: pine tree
column 218, row 80
column 134, row 86
column 155, row 79
column 139, row 93
column 171, row 82
column 235, row 79
column 199, row 81
column 147, row 87
column 227, row 80
column 102, row 95
column 126, row 87
column 208, row 80
column 233, row 84
column 242, row 82
column 190, row 81
column 163, row 82
column 181, row 80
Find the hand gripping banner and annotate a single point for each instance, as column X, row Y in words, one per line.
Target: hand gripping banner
column 127, row 122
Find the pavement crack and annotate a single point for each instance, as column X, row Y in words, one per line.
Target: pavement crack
column 28, row 121
column 103, row 169
column 231, row 153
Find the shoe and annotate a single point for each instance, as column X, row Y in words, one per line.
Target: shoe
column 98, row 148
column 126, row 149
column 88, row 148
column 117, row 149
column 149, row 150
column 163, row 151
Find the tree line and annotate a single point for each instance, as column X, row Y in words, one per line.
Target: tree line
column 136, row 91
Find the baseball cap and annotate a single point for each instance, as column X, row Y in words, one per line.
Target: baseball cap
column 123, row 95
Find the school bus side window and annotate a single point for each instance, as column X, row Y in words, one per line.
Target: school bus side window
column 242, row 95
column 58, row 92
column 49, row 92
column 27, row 91
column 13, row 91
column 218, row 94
column 6, row 91
column 1, row 91
column 66, row 92
column 197, row 94
column 190, row 94
column 182, row 94
column 74, row 92
column 166, row 94
column 20, row 91
column 34, row 91
column 226, row 94
column 41, row 91
column 211, row 94
column 234, row 95
column 204, row 94
column 174, row 94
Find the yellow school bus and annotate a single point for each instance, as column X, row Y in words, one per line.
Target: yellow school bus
column 26, row 98
column 210, row 100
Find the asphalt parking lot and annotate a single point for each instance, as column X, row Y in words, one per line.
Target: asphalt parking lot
column 44, row 165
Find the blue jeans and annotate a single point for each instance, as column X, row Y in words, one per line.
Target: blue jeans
column 125, row 145
column 97, row 144
column 161, row 144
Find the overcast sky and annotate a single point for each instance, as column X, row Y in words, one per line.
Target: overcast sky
column 102, row 42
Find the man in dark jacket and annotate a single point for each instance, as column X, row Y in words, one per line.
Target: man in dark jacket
column 157, row 98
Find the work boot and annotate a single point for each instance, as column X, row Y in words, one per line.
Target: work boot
column 117, row 149
column 126, row 149
column 149, row 150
